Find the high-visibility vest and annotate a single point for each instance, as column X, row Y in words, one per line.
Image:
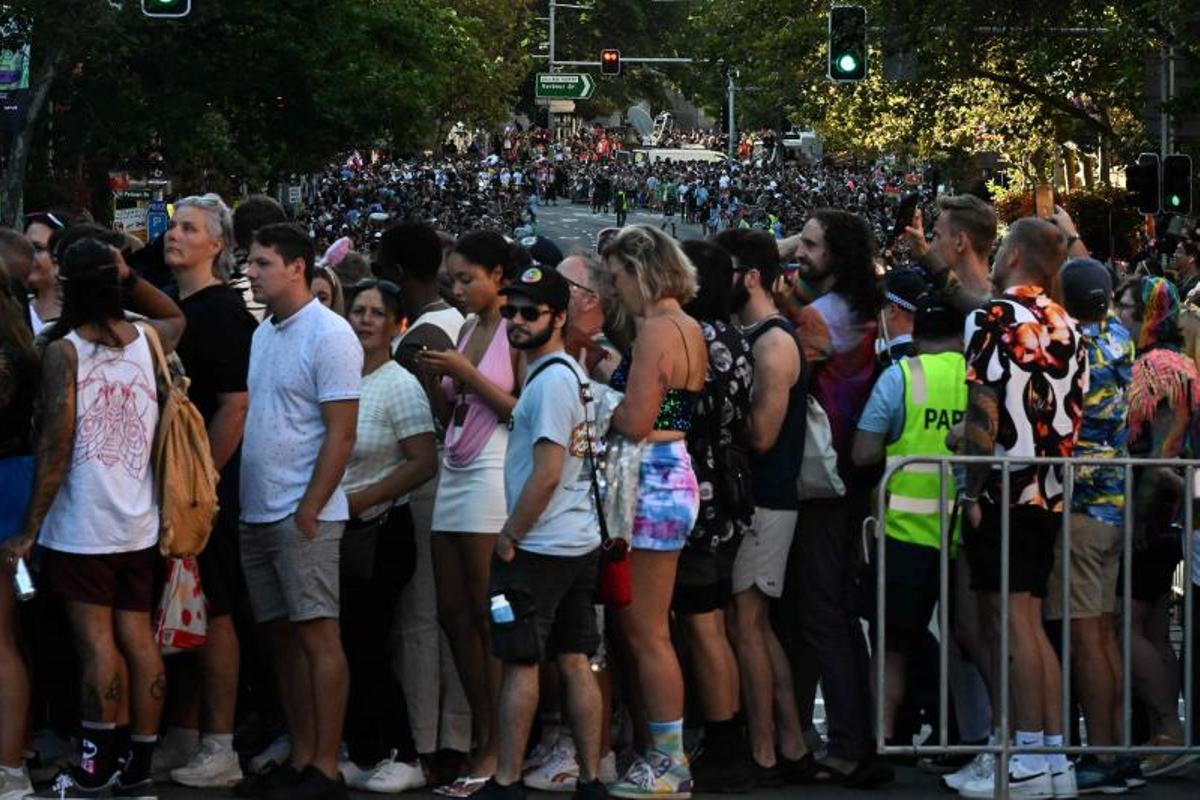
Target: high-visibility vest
column 935, row 398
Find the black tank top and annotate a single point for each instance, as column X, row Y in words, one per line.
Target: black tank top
column 774, row 473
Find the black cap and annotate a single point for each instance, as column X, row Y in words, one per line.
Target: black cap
column 541, row 285
column 937, row 319
column 542, row 250
column 1086, row 287
column 904, row 287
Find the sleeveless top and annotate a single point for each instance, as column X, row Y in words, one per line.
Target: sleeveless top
column 678, row 405
column 106, row 503
column 773, row 474
column 472, row 421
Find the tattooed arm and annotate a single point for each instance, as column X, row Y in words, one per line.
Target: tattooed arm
column 56, row 438
column 981, row 427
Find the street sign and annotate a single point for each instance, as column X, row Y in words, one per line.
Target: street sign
column 294, row 195
column 157, row 220
column 565, row 85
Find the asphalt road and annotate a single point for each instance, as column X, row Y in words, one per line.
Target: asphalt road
column 575, row 226
column 909, row 783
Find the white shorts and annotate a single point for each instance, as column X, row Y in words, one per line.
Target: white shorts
column 762, row 558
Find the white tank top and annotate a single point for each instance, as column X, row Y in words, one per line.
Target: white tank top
column 106, row 503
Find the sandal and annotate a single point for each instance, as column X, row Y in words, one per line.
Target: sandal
column 461, row 787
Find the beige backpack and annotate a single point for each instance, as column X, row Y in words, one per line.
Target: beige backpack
column 185, row 479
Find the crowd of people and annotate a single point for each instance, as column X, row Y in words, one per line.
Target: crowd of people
column 479, row 496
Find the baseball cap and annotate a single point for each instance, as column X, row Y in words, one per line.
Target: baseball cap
column 936, row 319
column 542, row 250
column 904, row 287
column 541, row 285
column 1086, row 288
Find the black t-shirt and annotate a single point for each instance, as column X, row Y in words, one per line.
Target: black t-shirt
column 215, row 350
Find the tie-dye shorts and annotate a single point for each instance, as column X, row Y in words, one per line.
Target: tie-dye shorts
column 668, row 498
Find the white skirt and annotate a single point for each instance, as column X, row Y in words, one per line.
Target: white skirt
column 470, row 499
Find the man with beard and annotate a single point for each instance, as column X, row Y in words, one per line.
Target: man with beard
column 548, row 552
column 775, row 430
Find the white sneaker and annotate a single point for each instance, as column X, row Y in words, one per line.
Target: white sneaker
column 170, row 755
column 276, row 754
column 15, row 787
column 608, row 769
column 982, row 766
column 1029, row 785
column 559, row 773
column 540, row 754
column 213, row 766
column 1063, row 783
column 391, row 776
column 354, row 776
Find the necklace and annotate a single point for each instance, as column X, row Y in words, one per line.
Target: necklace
column 752, row 327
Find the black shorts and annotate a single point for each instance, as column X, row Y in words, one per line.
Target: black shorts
column 553, row 596
column 911, row 593
column 704, row 578
column 1033, row 532
column 221, row 566
column 120, row 581
column 1154, row 568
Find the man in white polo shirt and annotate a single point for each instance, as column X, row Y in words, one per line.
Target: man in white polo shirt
column 304, row 384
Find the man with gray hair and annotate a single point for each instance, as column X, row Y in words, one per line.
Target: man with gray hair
column 215, row 350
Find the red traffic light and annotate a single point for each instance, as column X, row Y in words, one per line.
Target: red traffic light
column 610, row 62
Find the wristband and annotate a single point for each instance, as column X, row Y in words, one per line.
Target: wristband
column 1071, row 240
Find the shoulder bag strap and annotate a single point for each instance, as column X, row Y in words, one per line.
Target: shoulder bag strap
column 585, row 398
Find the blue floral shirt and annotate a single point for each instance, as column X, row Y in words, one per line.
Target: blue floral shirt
column 1099, row 491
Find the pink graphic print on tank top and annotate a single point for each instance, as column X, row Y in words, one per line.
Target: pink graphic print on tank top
column 115, row 399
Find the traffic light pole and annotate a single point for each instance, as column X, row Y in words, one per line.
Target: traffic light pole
column 731, row 88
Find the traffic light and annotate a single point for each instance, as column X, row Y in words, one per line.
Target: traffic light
column 1177, row 184
column 847, row 43
column 610, row 62
column 1142, row 181
column 166, row 9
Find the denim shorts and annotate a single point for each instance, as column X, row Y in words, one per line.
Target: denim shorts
column 668, row 498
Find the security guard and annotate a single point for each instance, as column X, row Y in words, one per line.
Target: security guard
column 914, row 404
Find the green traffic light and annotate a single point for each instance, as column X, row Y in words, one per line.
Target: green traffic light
column 1176, row 200
column 847, row 63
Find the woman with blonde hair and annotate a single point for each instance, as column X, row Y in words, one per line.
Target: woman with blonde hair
column 662, row 379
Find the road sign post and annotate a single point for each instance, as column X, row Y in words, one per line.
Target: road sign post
column 564, row 86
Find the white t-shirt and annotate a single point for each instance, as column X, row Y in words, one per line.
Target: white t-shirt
column 393, row 407
column 310, row 358
column 106, row 503
column 449, row 319
column 550, row 408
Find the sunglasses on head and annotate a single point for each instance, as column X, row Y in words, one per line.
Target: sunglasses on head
column 381, row 284
column 527, row 313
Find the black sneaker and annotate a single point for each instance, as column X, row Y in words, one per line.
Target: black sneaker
column 1093, row 776
column 721, row 773
column 768, row 777
column 65, row 786
column 591, row 790
column 494, row 791
column 1130, row 771
column 138, row 790
column 313, row 785
column 258, row 785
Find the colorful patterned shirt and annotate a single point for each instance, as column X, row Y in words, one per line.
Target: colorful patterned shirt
column 1099, row 491
column 730, row 375
column 1025, row 347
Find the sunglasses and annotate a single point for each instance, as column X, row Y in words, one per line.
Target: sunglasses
column 381, row 284
column 527, row 313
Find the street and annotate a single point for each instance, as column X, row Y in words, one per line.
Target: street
column 574, row 226
column 910, row 783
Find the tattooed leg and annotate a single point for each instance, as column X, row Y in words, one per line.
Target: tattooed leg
column 93, row 632
column 147, row 677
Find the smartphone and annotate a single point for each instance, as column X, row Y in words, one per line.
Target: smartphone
column 904, row 214
column 1043, row 200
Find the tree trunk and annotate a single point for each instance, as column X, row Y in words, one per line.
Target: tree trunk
column 12, row 187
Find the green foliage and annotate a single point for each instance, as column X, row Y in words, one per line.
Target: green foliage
column 1106, row 218
column 242, row 93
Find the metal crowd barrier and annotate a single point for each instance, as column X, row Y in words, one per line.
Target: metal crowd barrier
column 1004, row 749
